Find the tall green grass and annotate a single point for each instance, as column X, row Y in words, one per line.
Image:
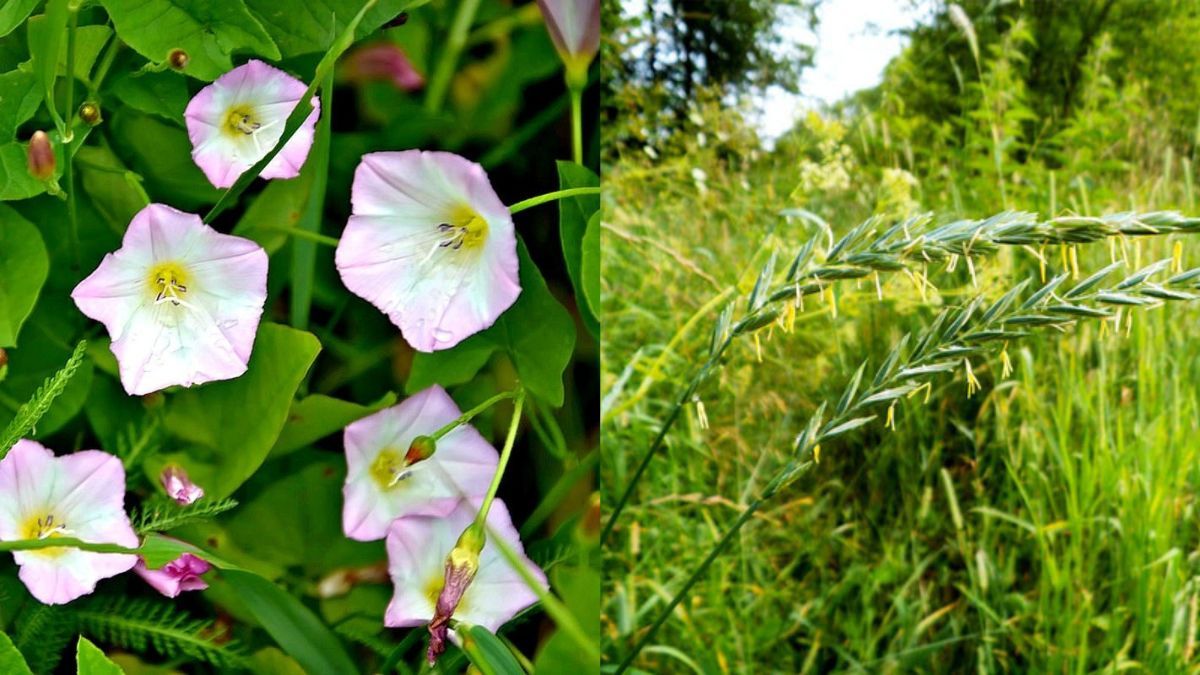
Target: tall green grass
column 1046, row 523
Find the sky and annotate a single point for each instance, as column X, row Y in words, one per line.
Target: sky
column 854, row 40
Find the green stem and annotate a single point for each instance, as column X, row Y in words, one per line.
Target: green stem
column 470, row 414
column 552, row 196
column 577, row 124
column 558, row 611
column 64, row 542
column 684, row 397
column 481, row 518
column 305, row 234
column 102, row 68
column 439, row 84
column 67, row 137
column 304, row 250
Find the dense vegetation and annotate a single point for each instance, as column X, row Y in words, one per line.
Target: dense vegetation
column 1030, row 505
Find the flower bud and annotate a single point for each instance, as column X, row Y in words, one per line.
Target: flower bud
column 461, row 566
column 182, row 574
column 89, row 112
column 178, row 59
column 179, row 487
column 422, row 447
column 3, row 358
column 41, row 156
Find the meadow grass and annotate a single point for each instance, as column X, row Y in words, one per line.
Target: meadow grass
column 1045, row 524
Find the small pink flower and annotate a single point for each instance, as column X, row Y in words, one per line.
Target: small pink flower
column 417, row 551
column 179, row 487
column 81, row 496
column 177, row 576
column 180, row 300
column 574, row 27
column 430, row 244
column 383, row 61
column 236, row 120
column 382, row 484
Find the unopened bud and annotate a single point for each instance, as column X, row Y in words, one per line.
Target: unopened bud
column 461, row 566
column 3, row 358
column 178, row 59
column 89, row 112
column 179, row 487
column 41, row 156
column 422, row 447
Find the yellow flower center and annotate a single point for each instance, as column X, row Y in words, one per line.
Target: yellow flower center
column 466, row 230
column 168, row 282
column 44, row 526
column 388, row 469
column 241, row 121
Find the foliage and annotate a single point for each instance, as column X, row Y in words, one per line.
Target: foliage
column 267, row 446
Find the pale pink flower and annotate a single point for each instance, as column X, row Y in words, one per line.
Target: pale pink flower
column 417, row 551
column 382, row 484
column 236, row 120
column 430, row 244
column 81, row 496
column 181, row 574
column 574, row 27
column 179, row 486
column 384, row 61
column 181, row 301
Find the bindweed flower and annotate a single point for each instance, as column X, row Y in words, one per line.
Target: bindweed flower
column 179, row 575
column 179, row 486
column 383, row 61
column 181, row 301
column 430, row 244
column 81, row 496
column 419, row 552
column 384, row 483
column 574, row 26
column 236, row 120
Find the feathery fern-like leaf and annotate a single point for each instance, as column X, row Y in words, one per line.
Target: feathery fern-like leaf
column 143, row 625
column 29, row 414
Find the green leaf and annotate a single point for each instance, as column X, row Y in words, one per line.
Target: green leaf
column 90, row 660
column 15, row 181
column 162, row 153
column 297, row 630
column 89, row 40
column 306, row 534
column 115, row 191
column 309, row 26
column 537, row 333
column 580, row 589
column 163, row 94
column 46, row 42
column 573, row 216
column 487, row 653
column 13, row 13
column 20, row 97
column 589, row 271
column 235, row 422
column 318, row 416
column 208, row 31
column 24, row 266
column 279, row 205
column 468, row 357
column 11, row 661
